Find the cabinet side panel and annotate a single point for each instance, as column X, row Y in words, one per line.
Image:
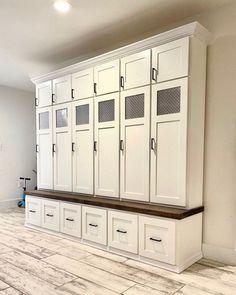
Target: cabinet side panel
column 196, row 123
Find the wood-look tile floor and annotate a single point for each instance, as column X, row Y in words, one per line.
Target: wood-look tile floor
column 33, row 263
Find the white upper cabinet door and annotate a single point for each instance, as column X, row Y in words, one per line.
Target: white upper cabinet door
column 82, row 146
column 82, row 84
column 62, row 147
column 44, row 148
column 134, row 144
column 106, row 145
column 135, row 70
column 107, row 77
column 43, row 94
column 169, row 142
column 170, row 61
column 62, row 90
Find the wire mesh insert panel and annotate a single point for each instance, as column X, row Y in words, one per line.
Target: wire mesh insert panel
column 62, row 118
column 106, row 110
column 82, row 114
column 44, row 120
column 134, row 106
column 168, row 101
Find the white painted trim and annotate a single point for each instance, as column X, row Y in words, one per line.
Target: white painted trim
column 221, row 254
column 4, row 204
column 192, row 29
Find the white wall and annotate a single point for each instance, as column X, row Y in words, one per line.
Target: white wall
column 17, row 142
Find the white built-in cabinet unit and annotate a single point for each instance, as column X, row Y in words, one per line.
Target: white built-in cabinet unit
column 121, row 128
column 128, row 124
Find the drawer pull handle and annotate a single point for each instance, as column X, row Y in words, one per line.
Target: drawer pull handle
column 154, row 74
column 121, row 231
column 49, row 215
column 94, row 225
column 69, row 219
column 32, row 211
column 156, row 240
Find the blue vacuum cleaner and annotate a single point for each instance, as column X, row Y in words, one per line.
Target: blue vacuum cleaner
column 21, row 203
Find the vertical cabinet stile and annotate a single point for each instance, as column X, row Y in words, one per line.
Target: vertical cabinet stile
column 44, row 148
column 106, row 145
column 169, row 142
column 134, row 144
column 62, row 147
column 82, row 145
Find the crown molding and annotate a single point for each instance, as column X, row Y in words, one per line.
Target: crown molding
column 192, row 29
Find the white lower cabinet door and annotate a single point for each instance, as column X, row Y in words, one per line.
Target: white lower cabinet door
column 33, row 211
column 169, row 142
column 106, row 145
column 62, row 147
column 123, row 231
column 70, row 219
column 50, row 215
column 134, row 144
column 94, row 225
column 44, row 148
column 82, row 146
column 157, row 239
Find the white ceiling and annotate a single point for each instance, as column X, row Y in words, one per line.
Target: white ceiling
column 36, row 39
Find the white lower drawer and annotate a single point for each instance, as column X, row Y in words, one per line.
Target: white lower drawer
column 50, row 215
column 94, row 225
column 70, row 219
column 123, row 231
column 157, row 239
column 33, row 211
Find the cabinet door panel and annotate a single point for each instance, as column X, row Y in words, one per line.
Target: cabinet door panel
column 135, row 69
column 107, row 77
column 62, row 89
column 170, row 60
column 168, row 156
column 50, row 215
column 83, row 146
column 44, row 148
column 62, row 148
column 70, row 219
column 82, row 84
column 135, row 112
column 44, row 94
column 107, row 145
column 33, row 211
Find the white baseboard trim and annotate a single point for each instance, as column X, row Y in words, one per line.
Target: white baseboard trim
column 4, row 204
column 220, row 254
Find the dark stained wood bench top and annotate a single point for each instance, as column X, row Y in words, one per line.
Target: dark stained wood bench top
column 149, row 209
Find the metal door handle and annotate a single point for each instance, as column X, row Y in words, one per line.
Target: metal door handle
column 53, row 100
column 73, row 147
column 153, row 144
column 94, row 225
column 122, row 84
column 69, row 219
column 95, row 88
column 121, row 145
column 72, row 93
column 54, row 148
column 156, row 240
column 121, row 231
column 49, row 215
column 36, row 101
column 32, row 211
column 154, row 74
column 95, row 146
column 37, row 148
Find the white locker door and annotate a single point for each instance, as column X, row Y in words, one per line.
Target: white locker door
column 106, row 145
column 62, row 90
column 170, row 61
column 82, row 146
column 44, row 148
column 82, row 84
column 135, row 70
column 134, row 144
column 62, row 147
column 107, row 77
column 43, row 94
column 169, row 142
